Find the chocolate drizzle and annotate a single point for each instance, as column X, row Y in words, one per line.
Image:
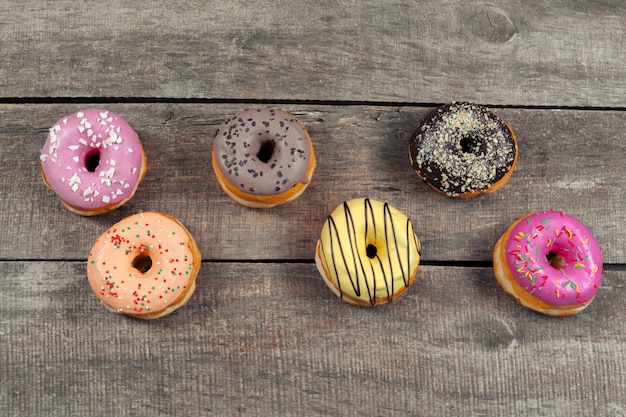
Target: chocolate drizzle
column 344, row 250
column 263, row 151
column 462, row 148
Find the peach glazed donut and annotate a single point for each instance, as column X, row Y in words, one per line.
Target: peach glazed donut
column 368, row 253
column 549, row 262
column 463, row 149
column 93, row 160
column 263, row 157
column 144, row 266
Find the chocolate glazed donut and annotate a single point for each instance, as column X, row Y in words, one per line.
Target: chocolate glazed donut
column 263, row 157
column 463, row 149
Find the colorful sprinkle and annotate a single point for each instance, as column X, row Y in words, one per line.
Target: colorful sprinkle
column 529, row 245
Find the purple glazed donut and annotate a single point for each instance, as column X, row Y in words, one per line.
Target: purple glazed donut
column 263, row 157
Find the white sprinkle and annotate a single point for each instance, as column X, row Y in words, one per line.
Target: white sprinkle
column 65, row 121
column 75, row 187
column 82, row 141
column 75, row 179
column 89, row 132
column 88, row 191
column 80, row 114
column 73, row 147
column 57, row 128
column 111, row 139
column 75, row 159
column 104, row 114
column 112, row 163
column 105, row 199
column 134, row 170
column 80, row 128
column 130, row 150
column 43, row 157
column 119, row 192
column 88, row 125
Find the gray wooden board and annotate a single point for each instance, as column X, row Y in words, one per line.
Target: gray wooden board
column 268, row 338
column 271, row 339
column 569, row 160
column 559, row 53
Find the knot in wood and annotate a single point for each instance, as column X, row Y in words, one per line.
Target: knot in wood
column 488, row 23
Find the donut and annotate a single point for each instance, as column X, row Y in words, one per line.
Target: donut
column 368, row 252
column 549, row 262
column 93, row 160
column 144, row 266
column 463, row 149
column 263, row 157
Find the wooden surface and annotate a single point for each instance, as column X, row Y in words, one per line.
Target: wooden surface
column 520, row 53
column 262, row 335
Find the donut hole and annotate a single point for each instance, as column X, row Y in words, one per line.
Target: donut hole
column 92, row 160
column 371, row 251
column 556, row 260
column 470, row 144
column 142, row 262
column 266, row 151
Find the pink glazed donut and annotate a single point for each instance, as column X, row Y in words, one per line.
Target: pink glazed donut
column 93, row 160
column 549, row 262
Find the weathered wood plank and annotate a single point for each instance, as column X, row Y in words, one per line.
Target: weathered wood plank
column 569, row 160
column 522, row 53
column 271, row 339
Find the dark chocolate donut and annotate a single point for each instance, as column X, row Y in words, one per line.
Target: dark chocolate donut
column 463, row 149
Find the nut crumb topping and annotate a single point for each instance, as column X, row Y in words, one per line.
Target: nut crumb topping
column 462, row 148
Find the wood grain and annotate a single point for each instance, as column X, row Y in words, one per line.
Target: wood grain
column 516, row 53
column 271, row 339
column 569, row 160
column 262, row 335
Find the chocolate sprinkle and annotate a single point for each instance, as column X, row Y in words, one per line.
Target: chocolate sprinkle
column 240, row 141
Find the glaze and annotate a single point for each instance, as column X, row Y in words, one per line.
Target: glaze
column 261, row 153
column 554, row 258
column 462, row 149
column 368, row 252
column 144, row 266
column 93, row 160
